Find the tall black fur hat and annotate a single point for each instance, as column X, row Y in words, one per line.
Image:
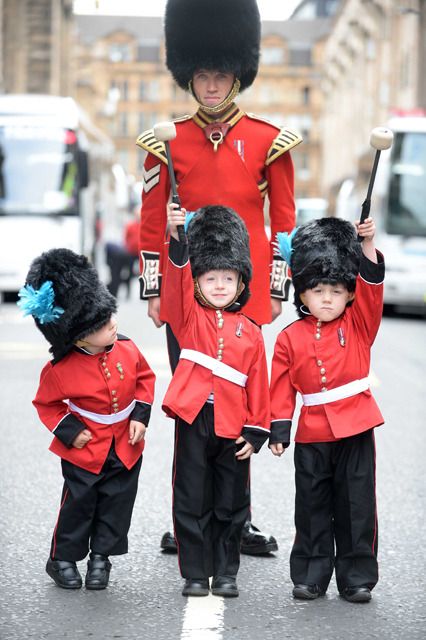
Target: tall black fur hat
column 218, row 239
column 206, row 34
column 67, row 300
column 324, row 250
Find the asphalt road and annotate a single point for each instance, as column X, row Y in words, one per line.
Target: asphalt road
column 143, row 600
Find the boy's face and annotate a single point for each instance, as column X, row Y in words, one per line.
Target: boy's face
column 327, row 301
column 97, row 341
column 219, row 287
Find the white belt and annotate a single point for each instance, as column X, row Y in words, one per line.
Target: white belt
column 217, row 367
column 104, row 418
column 339, row 393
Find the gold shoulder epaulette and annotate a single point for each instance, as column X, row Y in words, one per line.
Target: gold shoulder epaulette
column 149, row 142
column 254, row 116
column 285, row 140
column 182, row 118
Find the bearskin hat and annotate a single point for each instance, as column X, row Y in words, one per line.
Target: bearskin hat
column 324, row 250
column 222, row 35
column 67, row 300
column 218, row 239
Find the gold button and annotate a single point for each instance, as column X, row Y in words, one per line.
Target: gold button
column 115, row 410
column 108, row 375
column 219, row 357
column 323, row 379
column 113, row 392
column 221, row 340
column 220, row 324
column 104, row 364
column 323, row 389
column 317, row 336
column 322, row 370
column 319, row 362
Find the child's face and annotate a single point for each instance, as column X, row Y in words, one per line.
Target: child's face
column 327, row 301
column 219, row 287
column 97, row 341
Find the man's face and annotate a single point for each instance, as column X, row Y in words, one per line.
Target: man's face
column 212, row 87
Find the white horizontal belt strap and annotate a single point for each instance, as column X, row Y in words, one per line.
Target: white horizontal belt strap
column 217, row 367
column 104, row 418
column 339, row 393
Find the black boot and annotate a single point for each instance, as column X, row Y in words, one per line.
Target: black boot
column 254, row 542
column 356, row 594
column 98, row 568
column 196, row 587
column 64, row 573
column 225, row 586
column 168, row 543
column 307, row 591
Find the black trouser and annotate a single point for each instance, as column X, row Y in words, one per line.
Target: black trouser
column 96, row 510
column 174, row 353
column 335, row 514
column 210, row 499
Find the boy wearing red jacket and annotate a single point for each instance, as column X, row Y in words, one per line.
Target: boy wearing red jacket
column 218, row 393
column 325, row 356
column 95, row 396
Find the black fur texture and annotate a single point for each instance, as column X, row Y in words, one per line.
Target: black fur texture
column 324, row 251
column 86, row 301
column 223, row 35
column 218, row 239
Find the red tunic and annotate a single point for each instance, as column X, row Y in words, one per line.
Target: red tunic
column 252, row 161
column 237, row 410
column 93, row 383
column 307, row 365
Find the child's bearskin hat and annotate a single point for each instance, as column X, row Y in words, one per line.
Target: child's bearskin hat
column 222, row 35
column 218, row 239
column 324, row 250
column 67, row 300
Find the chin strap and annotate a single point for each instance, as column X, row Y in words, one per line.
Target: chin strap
column 223, row 105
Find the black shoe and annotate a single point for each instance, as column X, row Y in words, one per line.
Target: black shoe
column 168, row 543
column 225, row 586
column 307, row 591
column 98, row 568
column 64, row 573
column 196, row 587
column 356, row 594
column 254, row 542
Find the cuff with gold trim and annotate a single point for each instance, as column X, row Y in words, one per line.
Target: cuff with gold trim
column 280, row 279
column 150, row 278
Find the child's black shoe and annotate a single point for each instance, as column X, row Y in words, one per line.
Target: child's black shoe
column 168, row 543
column 255, row 543
column 98, row 568
column 307, row 591
column 196, row 587
column 225, row 586
column 64, row 573
column 356, row 594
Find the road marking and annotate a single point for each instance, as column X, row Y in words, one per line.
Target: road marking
column 203, row 618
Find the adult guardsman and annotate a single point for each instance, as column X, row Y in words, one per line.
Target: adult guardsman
column 221, row 155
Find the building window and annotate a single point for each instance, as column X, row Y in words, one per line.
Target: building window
column 149, row 51
column 122, row 124
column 306, row 95
column 272, row 55
column 149, row 91
column 300, row 56
column 119, row 52
column 119, row 89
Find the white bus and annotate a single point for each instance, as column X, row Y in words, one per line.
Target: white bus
column 399, row 208
column 55, row 175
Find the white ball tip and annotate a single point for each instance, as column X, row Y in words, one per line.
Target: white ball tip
column 381, row 138
column 165, row 131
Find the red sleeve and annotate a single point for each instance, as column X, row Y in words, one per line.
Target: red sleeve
column 155, row 196
column 144, row 393
column 257, row 428
column 283, row 394
column 177, row 296
column 367, row 308
column 52, row 410
column 282, row 210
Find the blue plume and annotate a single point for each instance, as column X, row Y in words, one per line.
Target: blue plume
column 284, row 241
column 189, row 216
column 39, row 303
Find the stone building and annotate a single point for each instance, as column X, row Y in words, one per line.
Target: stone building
column 36, row 46
column 374, row 66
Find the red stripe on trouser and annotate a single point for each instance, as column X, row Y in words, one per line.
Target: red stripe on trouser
column 56, row 525
column 173, row 488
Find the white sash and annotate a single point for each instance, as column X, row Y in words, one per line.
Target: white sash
column 217, row 367
column 104, row 418
column 339, row 393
